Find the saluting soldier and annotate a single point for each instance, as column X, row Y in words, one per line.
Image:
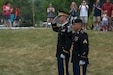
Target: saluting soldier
column 80, row 48
column 64, row 41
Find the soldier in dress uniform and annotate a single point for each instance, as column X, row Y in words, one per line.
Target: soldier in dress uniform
column 64, row 41
column 80, row 48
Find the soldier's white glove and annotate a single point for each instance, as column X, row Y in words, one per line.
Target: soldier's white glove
column 70, row 28
column 62, row 56
column 81, row 62
column 55, row 20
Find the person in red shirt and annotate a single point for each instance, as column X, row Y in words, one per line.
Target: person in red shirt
column 6, row 14
column 17, row 16
column 108, row 8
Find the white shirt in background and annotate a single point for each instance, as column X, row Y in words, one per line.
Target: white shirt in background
column 83, row 10
column 104, row 17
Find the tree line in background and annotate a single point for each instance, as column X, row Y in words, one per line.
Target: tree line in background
column 40, row 7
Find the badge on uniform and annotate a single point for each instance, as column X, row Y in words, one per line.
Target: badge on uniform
column 85, row 41
column 76, row 39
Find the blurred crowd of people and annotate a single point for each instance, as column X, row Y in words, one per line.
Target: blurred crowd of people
column 103, row 14
column 10, row 16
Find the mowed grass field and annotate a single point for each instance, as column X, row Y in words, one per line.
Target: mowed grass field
column 32, row 52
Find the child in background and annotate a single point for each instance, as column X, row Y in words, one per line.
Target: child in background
column 17, row 17
column 112, row 21
column 104, row 21
column 12, row 16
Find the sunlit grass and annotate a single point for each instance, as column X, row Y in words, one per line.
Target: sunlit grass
column 32, row 52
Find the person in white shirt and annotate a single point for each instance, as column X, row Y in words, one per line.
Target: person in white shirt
column 84, row 13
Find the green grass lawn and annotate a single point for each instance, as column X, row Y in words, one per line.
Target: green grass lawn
column 32, row 52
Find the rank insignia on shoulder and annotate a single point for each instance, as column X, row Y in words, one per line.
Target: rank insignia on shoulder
column 85, row 41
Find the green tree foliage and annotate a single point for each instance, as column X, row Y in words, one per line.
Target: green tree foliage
column 1, row 3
